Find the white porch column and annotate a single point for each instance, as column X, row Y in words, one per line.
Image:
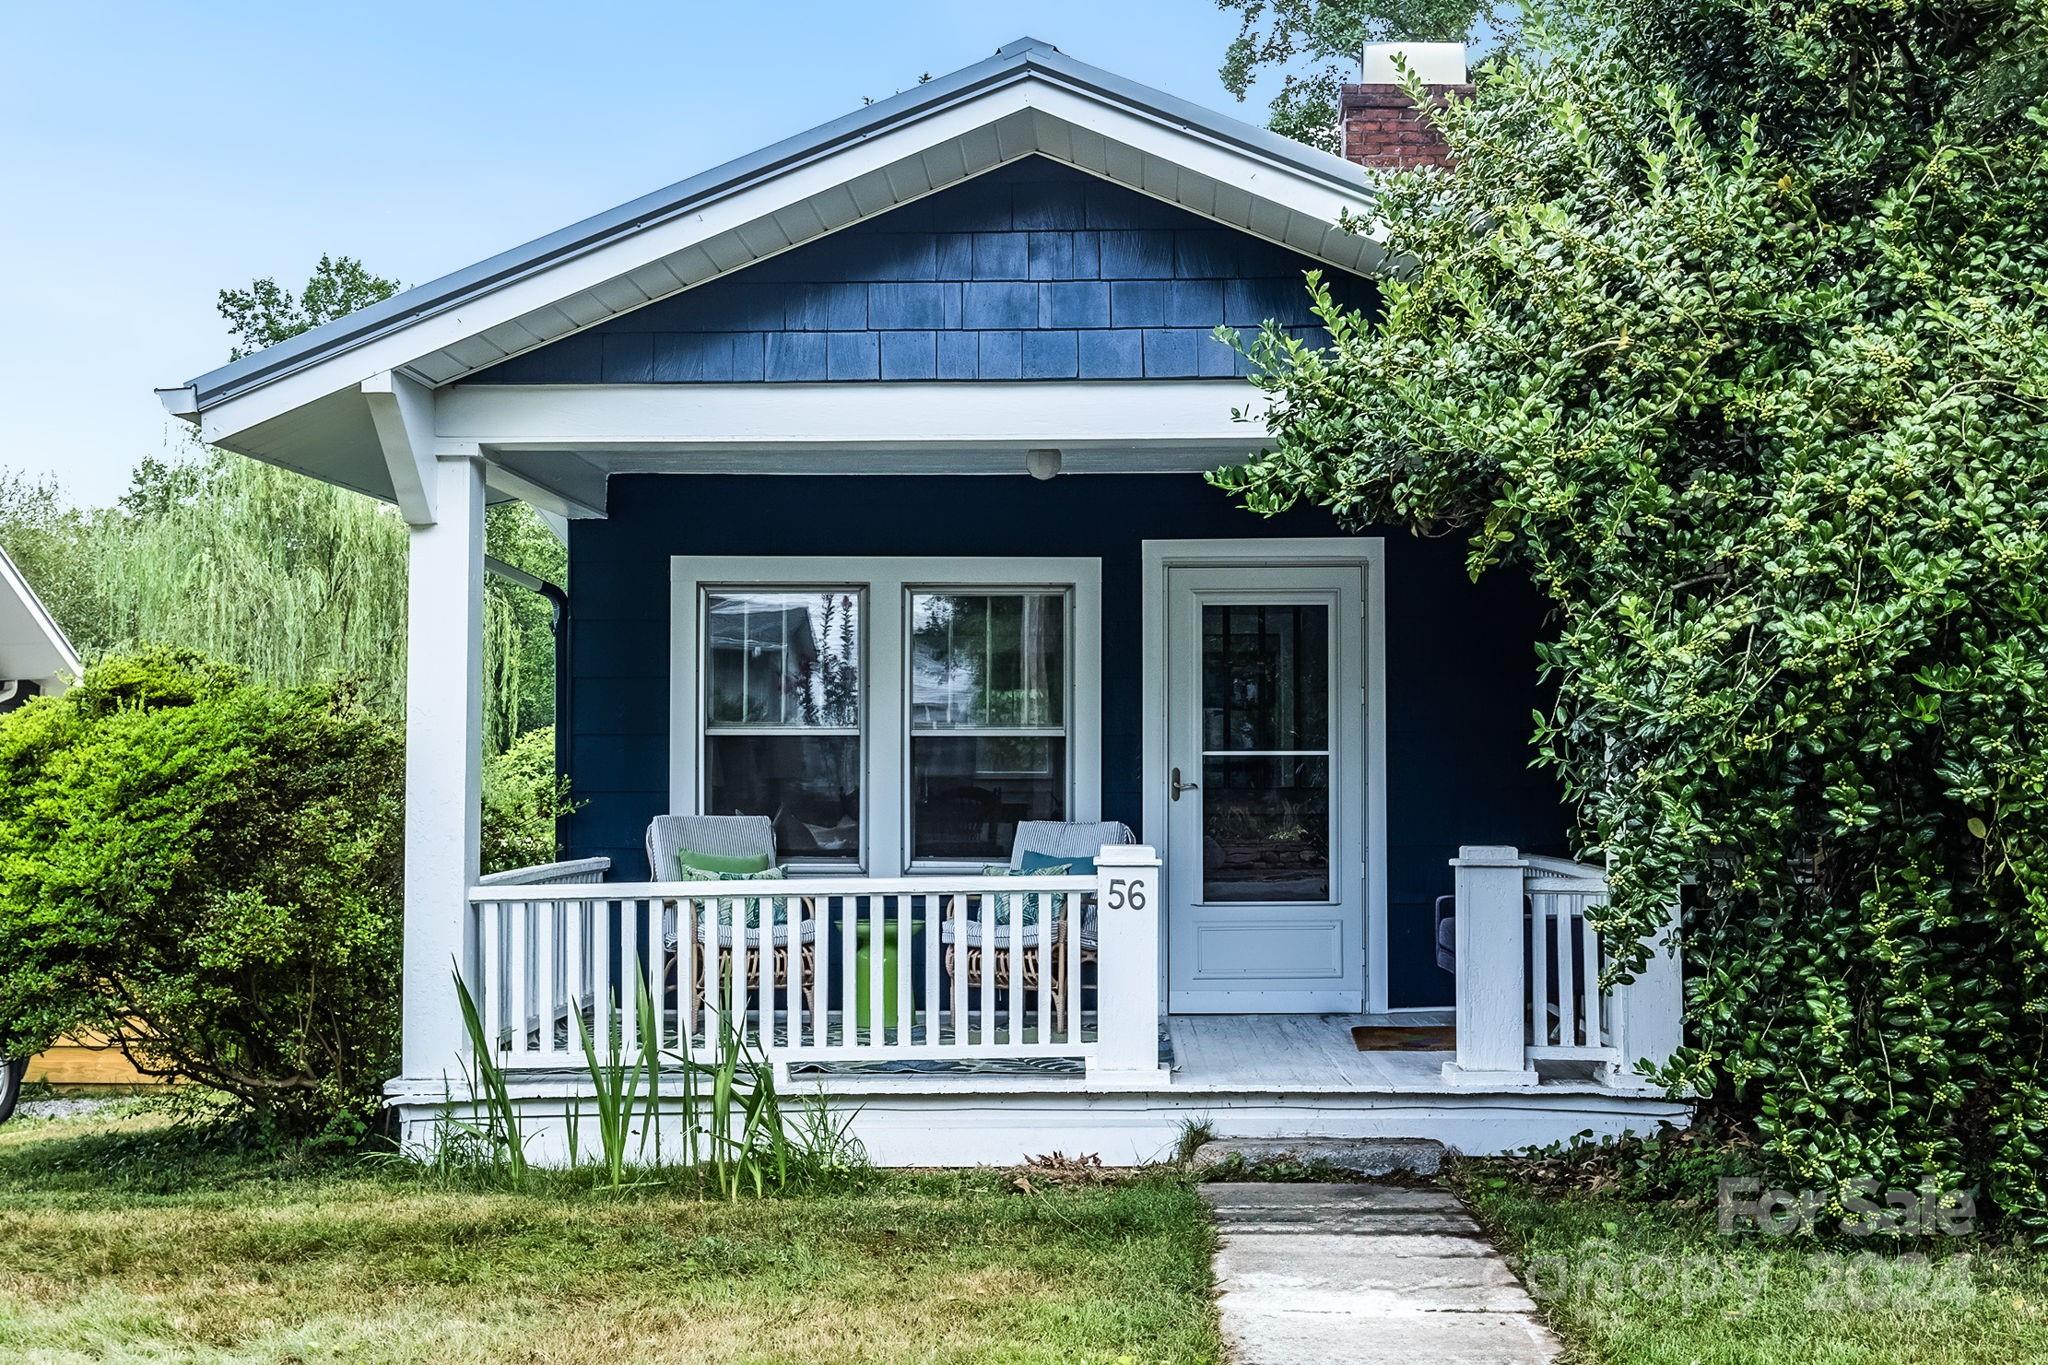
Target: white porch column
column 443, row 762
column 1653, row 1006
column 1492, row 990
column 1127, row 910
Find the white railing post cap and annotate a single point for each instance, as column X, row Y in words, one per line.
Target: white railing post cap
column 1127, row 855
column 1489, row 855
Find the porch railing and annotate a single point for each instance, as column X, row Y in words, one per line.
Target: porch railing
column 1529, row 968
column 900, row 972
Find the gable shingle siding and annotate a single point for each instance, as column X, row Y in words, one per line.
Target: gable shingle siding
column 1033, row 271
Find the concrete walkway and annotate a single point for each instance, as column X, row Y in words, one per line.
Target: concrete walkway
column 1366, row 1275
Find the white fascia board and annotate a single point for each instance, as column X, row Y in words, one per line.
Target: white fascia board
column 1280, row 184
column 1132, row 414
column 1015, row 110
column 48, row 659
column 610, row 262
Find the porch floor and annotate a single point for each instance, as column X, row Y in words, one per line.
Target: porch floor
column 1238, row 1075
column 1292, row 1051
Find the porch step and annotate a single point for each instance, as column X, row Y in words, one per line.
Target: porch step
column 1353, row 1156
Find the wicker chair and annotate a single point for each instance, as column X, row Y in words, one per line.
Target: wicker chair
column 1055, row 839
column 729, row 836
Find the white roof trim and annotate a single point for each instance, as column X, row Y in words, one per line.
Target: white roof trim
column 300, row 404
column 32, row 646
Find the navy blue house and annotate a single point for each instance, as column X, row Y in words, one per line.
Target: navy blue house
column 1034, row 272
column 895, row 582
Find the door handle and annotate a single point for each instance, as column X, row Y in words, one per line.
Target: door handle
column 1180, row 786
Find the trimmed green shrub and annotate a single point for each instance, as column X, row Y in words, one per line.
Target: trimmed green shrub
column 208, row 870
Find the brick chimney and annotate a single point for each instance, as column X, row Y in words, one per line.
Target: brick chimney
column 1383, row 129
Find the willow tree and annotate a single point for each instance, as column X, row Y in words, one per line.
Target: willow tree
column 1730, row 330
column 295, row 580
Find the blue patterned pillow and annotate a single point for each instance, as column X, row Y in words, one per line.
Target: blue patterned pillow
column 1031, row 899
column 779, row 904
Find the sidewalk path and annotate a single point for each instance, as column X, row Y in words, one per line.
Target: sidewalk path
column 1366, row 1275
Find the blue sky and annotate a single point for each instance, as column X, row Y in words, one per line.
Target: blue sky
column 152, row 154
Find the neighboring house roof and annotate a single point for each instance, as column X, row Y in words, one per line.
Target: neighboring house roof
column 300, row 403
column 32, row 647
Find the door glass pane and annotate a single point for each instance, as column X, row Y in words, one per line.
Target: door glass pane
column 809, row 785
column 1265, row 786
column 987, row 661
column 1266, row 828
column 783, row 659
column 967, row 792
column 1265, row 677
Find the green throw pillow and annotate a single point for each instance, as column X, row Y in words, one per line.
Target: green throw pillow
column 1029, row 912
column 724, row 862
column 779, row 904
column 1037, row 864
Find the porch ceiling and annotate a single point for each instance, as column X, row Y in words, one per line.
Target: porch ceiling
column 300, row 404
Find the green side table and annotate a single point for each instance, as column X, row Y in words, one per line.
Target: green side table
column 863, row 965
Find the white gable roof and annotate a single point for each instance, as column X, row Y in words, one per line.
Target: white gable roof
column 32, row 648
column 300, row 403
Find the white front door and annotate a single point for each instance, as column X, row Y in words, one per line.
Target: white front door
column 1265, row 760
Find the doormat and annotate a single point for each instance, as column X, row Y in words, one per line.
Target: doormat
column 1372, row 1038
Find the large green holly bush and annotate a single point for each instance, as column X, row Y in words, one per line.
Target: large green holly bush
column 207, row 870
column 1730, row 329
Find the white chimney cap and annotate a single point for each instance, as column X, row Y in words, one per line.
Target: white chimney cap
column 1433, row 63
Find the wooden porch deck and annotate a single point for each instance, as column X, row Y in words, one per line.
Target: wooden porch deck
column 1308, row 1051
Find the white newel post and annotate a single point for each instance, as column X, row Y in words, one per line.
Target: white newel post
column 443, row 757
column 1493, row 992
column 1653, row 1005
column 1127, row 909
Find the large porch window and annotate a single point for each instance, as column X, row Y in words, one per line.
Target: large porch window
column 887, row 714
column 988, row 706
column 782, row 715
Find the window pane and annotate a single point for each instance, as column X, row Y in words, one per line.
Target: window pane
column 1266, row 829
column 783, row 658
column 987, row 661
column 809, row 785
column 1265, row 677
column 967, row 793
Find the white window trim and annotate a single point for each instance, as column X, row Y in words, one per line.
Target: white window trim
column 885, row 702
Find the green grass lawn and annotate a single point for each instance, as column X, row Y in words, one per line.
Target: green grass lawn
column 126, row 1239
column 1629, row 1283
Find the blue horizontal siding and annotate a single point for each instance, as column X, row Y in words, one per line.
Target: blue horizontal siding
column 1032, row 247
column 1458, row 701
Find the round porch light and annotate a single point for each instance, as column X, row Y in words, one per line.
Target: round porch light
column 1042, row 463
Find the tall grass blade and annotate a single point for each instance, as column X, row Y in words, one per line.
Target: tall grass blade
column 503, row 1129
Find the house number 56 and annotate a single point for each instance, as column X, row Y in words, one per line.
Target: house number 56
column 1126, row 895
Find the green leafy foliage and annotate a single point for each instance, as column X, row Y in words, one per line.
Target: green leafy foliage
column 295, row 580
column 267, row 312
column 523, row 798
column 1315, row 45
column 207, row 870
column 1729, row 330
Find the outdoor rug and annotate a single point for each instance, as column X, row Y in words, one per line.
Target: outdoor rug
column 1435, row 1038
